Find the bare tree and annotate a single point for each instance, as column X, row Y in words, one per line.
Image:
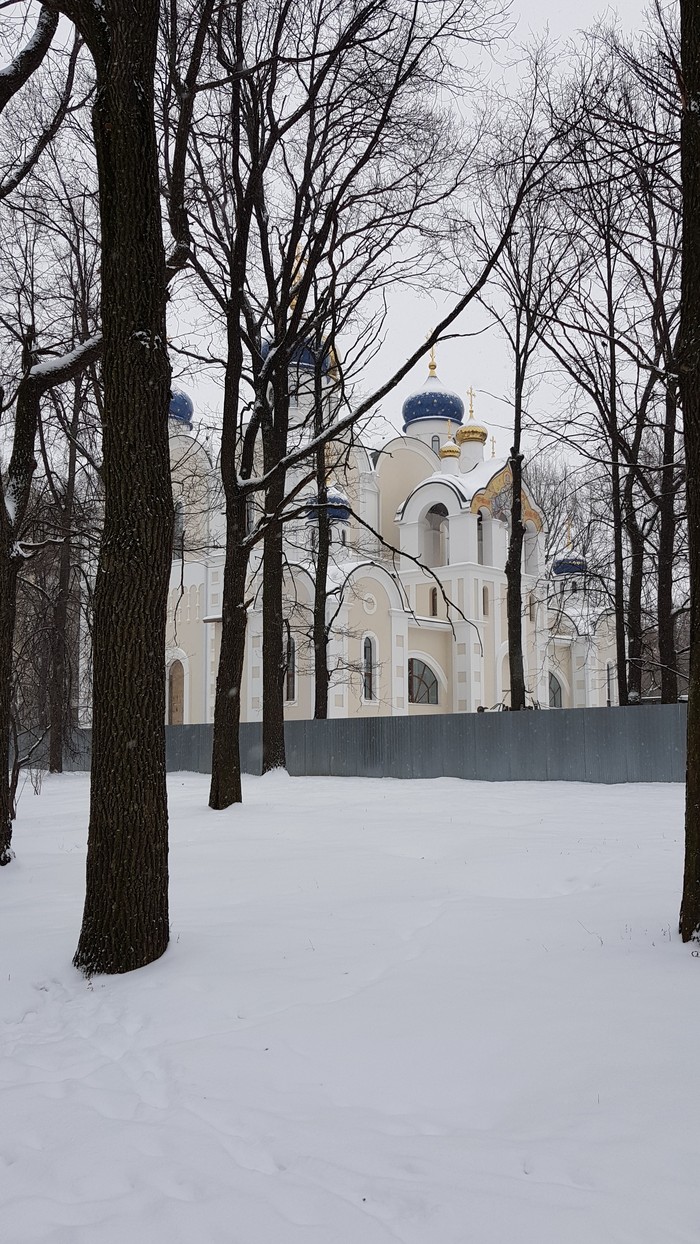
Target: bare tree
column 688, row 80
column 30, row 381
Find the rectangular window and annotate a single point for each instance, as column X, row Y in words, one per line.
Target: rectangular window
column 485, row 601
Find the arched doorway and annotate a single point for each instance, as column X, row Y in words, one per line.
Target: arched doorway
column 176, row 694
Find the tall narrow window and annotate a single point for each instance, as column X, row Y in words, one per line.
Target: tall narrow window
column 422, row 683
column 368, row 665
column 290, row 682
column 554, row 691
column 433, row 602
column 485, row 601
column 436, row 444
column 480, row 539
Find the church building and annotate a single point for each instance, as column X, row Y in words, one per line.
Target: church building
column 416, row 583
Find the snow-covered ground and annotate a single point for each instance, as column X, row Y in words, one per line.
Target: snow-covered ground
column 430, row 1012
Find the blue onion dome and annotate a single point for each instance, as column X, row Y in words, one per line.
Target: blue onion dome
column 569, row 563
column 181, row 408
column 337, row 505
column 433, row 401
column 305, row 356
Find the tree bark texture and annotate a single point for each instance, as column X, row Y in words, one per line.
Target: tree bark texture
column 273, row 749
column 320, row 627
column 689, row 373
column 225, row 787
column 125, row 920
column 8, row 603
column 514, row 607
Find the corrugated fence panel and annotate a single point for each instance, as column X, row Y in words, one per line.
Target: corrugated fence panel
column 642, row 744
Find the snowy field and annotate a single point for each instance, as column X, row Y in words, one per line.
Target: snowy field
column 428, row 1012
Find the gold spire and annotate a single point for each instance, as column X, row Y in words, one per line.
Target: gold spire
column 493, row 446
column 432, row 366
column 470, row 395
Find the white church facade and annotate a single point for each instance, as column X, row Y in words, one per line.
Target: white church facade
column 416, row 584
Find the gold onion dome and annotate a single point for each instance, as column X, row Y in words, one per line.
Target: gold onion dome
column 471, row 431
column 450, row 449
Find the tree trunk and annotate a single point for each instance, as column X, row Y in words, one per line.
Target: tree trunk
column 320, row 628
column 618, row 577
column 273, row 750
column 514, row 606
column 225, row 786
column 689, row 372
column 8, row 599
column 125, row 920
column 668, row 657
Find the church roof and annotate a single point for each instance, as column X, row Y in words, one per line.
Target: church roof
column 465, row 486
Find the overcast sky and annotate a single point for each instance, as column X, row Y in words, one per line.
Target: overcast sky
column 481, row 361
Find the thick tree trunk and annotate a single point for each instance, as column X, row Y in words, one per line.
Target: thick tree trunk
column 514, row 585
column 8, row 599
column 125, row 920
column 225, row 787
column 668, row 656
column 689, row 372
column 273, row 750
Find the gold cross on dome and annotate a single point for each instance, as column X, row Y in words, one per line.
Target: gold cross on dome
column 470, row 395
column 493, row 446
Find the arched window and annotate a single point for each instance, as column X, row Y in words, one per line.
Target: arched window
column 433, row 602
column 554, row 691
column 176, row 694
column 436, row 444
column 422, row 683
column 436, row 541
column 368, row 669
column 290, row 678
column 480, row 538
column 178, row 530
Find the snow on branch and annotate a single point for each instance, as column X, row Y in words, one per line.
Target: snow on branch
column 65, row 367
column 14, row 75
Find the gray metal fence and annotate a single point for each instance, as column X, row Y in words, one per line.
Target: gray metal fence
column 641, row 744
